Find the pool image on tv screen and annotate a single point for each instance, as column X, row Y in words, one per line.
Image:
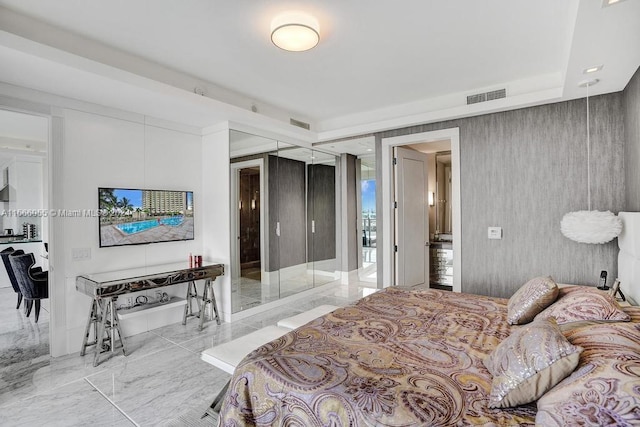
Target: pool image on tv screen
column 137, row 216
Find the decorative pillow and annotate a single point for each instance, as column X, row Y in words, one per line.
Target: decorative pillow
column 534, row 358
column 532, row 297
column 605, row 389
column 577, row 303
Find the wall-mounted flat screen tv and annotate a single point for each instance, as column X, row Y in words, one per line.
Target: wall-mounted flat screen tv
column 137, row 216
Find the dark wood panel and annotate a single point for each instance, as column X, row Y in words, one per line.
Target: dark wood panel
column 287, row 201
column 321, row 207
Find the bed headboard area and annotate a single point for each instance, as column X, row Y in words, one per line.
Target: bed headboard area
column 629, row 255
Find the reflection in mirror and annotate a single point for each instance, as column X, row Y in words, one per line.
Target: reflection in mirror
column 252, row 282
column 292, row 214
column 368, row 270
column 283, row 219
column 321, row 214
column 444, row 215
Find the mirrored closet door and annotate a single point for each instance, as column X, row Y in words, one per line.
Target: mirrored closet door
column 322, row 217
column 283, row 219
column 252, row 280
column 295, row 269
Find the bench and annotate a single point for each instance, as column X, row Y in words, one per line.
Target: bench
column 294, row 322
column 226, row 356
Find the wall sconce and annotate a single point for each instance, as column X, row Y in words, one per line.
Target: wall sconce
column 253, row 204
column 431, row 198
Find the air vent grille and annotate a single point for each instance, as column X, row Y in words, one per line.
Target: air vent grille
column 474, row 99
column 487, row 96
column 496, row 94
column 300, row 124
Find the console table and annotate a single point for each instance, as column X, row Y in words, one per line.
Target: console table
column 105, row 288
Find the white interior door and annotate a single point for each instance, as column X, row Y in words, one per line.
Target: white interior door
column 412, row 217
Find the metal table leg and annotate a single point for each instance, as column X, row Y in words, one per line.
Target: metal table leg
column 112, row 329
column 209, row 297
column 104, row 318
column 115, row 327
column 102, row 321
column 91, row 321
column 214, row 409
column 192, row 294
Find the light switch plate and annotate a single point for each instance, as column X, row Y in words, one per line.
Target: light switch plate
column 79, row 254
column 494, row 233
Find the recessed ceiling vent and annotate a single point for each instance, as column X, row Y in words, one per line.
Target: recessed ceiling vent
column 300, row 124
column 487, row 96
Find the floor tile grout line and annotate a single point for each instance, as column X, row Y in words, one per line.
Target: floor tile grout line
column 181, row 344
column 46, row 391
column 112, row 402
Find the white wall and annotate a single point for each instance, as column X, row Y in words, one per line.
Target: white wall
column 216, row 232
column 26, row 183
column 25, row 192
column 102, row 151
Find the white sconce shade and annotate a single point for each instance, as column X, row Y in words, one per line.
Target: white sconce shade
column 431, row 198
column 295, row 31
column 591, row 226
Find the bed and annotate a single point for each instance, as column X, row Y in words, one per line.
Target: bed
column 424, row 357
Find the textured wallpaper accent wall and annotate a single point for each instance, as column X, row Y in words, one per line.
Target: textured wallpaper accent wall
column 287, row 197
column 523, row 170
column 321, row 207
column 632, row 147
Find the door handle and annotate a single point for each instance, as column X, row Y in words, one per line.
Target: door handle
column 427, row 244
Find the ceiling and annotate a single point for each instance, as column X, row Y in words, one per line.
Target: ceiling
column 376, row 67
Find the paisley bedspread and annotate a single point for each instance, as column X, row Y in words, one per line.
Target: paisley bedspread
column 395, row 358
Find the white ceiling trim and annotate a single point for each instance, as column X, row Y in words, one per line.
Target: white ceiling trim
column 504, row 104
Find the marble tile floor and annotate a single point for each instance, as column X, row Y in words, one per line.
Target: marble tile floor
column 161, row 382
column 248, row 292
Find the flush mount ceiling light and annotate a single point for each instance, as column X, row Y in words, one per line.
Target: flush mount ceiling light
column 295, row 31
column 589, row 226
column 592, row 69
column 606, row 3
